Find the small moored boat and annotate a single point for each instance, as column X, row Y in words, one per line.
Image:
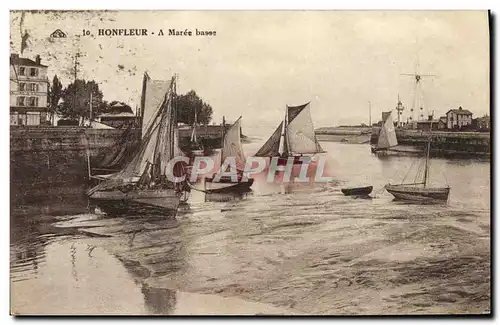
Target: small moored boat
column 420, row 191
column 357, row 190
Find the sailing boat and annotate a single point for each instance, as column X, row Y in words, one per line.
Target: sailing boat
column 142, row 186
column 231, row 147
column 294, row 137
column 387, row 135
column 419, row 191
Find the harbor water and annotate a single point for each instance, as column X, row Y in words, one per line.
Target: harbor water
column 300, row 249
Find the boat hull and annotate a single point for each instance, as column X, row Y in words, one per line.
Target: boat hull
column 227, row 186
column 357, row 190
column 418, row 194
column 396, row 151
column 283, row 161
column 162, row 202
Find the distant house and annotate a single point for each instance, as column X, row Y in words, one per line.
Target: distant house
column 458, row 118
column 483, row 123
column 442, row 123
column 28, row 91
column 118, row 115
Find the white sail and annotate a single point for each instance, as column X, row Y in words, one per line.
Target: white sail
column 153, row 92
column 232, row 145
column 387, row 136
column 165, row 149
column 300, row 134
column 156, row 144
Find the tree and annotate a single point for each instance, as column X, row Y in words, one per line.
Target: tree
column 76, row 99
column 55, row 94
column 187, row 104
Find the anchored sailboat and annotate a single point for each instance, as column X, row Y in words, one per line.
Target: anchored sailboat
column 419, row 191
column 387, row 135
column 231, row 147
column 294, row 137
column 143, row 187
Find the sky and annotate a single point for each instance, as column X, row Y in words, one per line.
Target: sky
column 260, row 61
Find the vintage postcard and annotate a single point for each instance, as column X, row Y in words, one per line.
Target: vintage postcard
column 250, row 163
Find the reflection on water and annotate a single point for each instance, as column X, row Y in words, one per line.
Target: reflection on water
column 159, row 301
column 281, row 247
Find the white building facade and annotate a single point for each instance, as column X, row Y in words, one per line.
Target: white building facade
column 28, row 91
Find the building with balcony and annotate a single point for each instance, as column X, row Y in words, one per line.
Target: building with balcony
column 28, row 91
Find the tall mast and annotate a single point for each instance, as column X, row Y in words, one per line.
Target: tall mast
column 173, row 102
column 223, row 135
column 417, row 100
column 426, row 171
column 281, row 147
column 369, row 114
column 90, row 113
column 193, row 133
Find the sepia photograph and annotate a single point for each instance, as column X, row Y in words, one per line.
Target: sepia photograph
column 250, row 163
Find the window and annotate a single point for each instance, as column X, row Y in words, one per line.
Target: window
column 22, row 119
column 22, row 86
column 22, row 71
column 33, row 72
column 14, row 118
column 20, row 101
column 33, row 101
column 33, row 87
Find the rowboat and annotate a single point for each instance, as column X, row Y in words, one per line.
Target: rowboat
column 357, row 190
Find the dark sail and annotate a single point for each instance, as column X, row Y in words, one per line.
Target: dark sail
column 293, row 111
column 271, row 147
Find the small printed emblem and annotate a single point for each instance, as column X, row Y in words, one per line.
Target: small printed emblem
column 58, row 34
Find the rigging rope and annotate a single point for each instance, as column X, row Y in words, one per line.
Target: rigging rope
column 419, row 172
column 408, row 172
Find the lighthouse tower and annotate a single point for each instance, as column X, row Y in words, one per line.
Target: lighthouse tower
column 400, row 108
